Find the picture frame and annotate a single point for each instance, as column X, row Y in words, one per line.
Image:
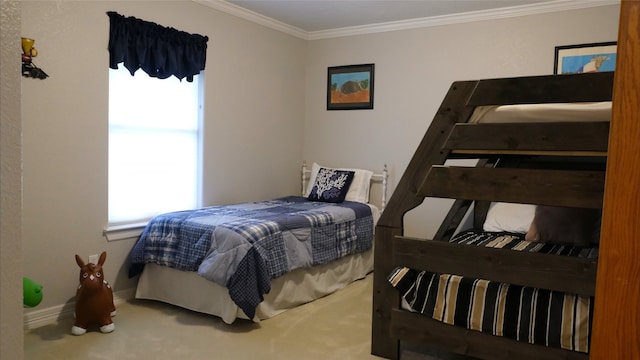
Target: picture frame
column 350, row 87
column 582, row 58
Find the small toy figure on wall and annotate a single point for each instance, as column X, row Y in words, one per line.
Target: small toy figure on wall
column 94, row 298
column 29, row 69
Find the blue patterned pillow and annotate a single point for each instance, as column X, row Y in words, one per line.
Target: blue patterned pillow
column 331, row 185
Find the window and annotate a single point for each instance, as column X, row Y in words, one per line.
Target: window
column 154, row 145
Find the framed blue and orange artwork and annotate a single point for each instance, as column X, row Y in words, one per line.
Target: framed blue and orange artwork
column 584, row 58
column 350, row 87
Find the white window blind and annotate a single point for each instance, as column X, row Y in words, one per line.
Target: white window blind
column 154, row 145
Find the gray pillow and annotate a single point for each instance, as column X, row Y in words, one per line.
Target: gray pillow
column 565, row 225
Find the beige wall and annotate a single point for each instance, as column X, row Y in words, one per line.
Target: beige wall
column 254, row 111
column 11, row 337
column 413, row 71
column 265, row 111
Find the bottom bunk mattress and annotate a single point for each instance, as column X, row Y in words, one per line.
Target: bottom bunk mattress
column 189, row 290
column 536, row 316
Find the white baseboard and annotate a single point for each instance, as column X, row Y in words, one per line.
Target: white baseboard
column 51, row 315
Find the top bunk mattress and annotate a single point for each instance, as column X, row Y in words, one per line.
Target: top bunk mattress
column 548, row 112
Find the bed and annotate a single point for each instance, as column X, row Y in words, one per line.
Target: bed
column 479, row 287
column 255, row 260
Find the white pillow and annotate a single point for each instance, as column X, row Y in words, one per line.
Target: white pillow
column 515, row 218
column 359, row 188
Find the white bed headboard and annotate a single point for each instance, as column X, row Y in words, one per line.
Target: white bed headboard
column 381, row 178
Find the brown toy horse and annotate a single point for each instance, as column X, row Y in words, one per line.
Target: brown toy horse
column 94, row 298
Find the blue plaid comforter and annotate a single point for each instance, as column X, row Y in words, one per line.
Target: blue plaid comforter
column 246, row 245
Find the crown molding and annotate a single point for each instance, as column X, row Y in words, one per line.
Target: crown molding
column 254, row 17
column 482, row 15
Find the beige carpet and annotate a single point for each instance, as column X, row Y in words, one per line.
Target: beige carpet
column 337, row 326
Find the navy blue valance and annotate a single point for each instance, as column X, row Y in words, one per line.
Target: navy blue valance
column 157, row 50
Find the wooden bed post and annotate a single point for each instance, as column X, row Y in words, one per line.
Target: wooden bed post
column 616, row 323
column 405, row 198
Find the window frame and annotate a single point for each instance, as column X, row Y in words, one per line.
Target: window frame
column 121, row 230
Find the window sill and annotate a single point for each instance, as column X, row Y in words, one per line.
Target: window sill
column 123, row 232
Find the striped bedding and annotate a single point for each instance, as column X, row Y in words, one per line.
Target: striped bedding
column 537, row 316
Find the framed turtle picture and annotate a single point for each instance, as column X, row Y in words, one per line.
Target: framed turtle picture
column 350, row 87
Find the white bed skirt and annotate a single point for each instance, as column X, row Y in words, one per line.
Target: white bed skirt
column 191, row 291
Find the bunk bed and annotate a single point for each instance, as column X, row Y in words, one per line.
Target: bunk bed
column 556, row 163
column 615, row 327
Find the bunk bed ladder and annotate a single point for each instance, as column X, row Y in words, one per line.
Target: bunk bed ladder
column 405, row 198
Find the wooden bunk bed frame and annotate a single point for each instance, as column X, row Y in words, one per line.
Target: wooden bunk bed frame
column 450, row 136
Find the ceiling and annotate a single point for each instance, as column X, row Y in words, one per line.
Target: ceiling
column 317, row 19
column 320, row 15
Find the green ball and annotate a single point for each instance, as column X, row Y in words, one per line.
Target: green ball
column 32, row 292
